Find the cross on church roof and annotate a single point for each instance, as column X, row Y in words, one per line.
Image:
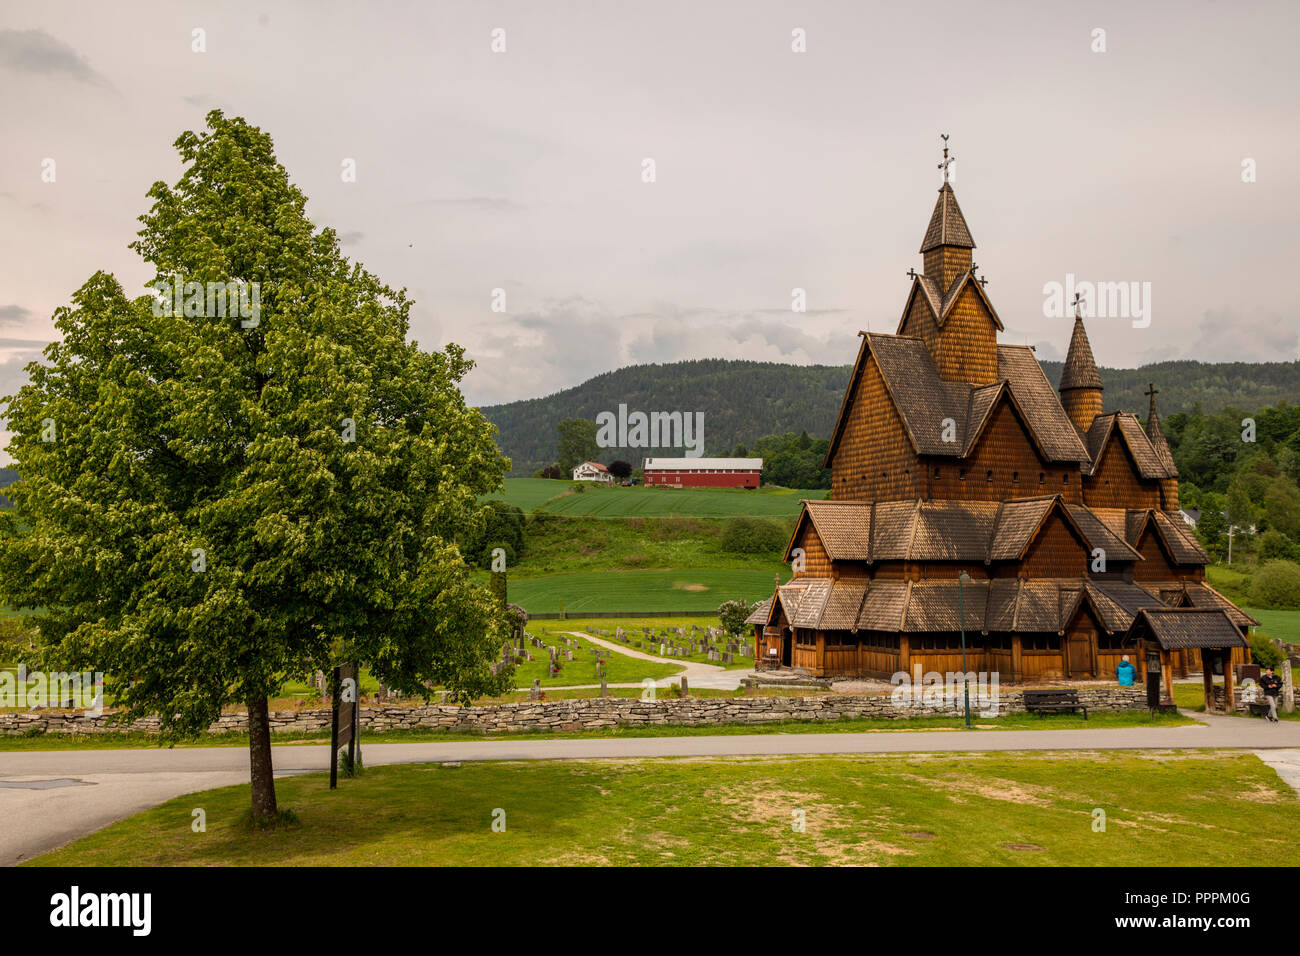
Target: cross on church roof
column 1078, row 301
column 947, row 160
column 974, row 267
column 1151, row 391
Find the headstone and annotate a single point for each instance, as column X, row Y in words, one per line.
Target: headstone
column 604, row 691
column 686, row 691
column 536, row 692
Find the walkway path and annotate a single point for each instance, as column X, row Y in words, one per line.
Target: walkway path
column 50, row 797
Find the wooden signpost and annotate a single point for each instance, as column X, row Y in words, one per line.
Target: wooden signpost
column 345, row 724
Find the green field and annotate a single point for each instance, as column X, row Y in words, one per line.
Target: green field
column 1284, row 625
column 638, row 592
column 1162, row 809
column 558, row 497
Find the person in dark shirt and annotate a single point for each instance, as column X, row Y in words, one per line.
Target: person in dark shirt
column 1272, row 686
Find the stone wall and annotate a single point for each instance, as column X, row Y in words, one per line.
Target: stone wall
column 589, row 713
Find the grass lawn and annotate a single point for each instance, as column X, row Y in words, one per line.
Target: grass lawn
column 866, row 725
column 1162, row 809
column 560, row 544
column 559, row 497
column 639, row 592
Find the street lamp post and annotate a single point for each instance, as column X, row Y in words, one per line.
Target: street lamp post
column 962, row 579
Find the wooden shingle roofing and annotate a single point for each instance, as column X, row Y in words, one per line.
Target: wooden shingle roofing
column 1183, row 628
column 925, row 401
column 760, row 612
column 947, row 225
column 999, row 605
column 1080, row 369
column 1199, row 594
column 940, row 301
column 1019, row 367
column 1150, row 464
column 948, row 530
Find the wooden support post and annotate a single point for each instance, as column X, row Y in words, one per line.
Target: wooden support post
column 1207, row 678
column 1166, row 666
column 1015, row 657
column 1229, row 697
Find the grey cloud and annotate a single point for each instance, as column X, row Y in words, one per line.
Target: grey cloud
column 14, row 314
column 35, row 51
column 493, row 203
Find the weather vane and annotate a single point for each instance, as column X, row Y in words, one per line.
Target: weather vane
column 947, row 160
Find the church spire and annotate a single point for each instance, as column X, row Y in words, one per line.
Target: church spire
column 947, row 244
column 1080, row 381
column 1169, row 484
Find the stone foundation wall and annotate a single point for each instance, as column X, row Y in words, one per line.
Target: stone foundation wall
column 589, row 713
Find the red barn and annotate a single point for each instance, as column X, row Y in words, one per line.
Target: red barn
column 703, row 472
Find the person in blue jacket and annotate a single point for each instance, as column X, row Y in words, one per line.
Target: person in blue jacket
column 1125, row 672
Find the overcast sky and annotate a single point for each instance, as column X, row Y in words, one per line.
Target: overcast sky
column 774, row 169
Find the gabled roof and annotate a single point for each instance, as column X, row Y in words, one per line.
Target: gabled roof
column 1177, row 539
column 940, row 302
column 1100, row 535
column 948, row 530
column 760, row 612
column 812, row 603
column 1019, row 367
column 1199, row 594
column 924, row 401
column 1116, row 603
column 1080, row 369
column 1181, row 628
column 1145, row 457
column 947, row 224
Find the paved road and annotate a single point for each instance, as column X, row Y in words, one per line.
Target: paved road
column 101, row 786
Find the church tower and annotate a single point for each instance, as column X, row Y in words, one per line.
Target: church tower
column 948, row 308
column 1080, row 381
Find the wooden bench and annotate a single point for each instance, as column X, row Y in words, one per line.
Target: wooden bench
column 1257, row 708
column 1053, row 701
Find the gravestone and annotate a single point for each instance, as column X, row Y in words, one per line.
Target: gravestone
column 536, row 692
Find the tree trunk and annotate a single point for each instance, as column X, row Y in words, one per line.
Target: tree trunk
column 259, row 756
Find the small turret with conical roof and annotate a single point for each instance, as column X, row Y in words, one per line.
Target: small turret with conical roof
column 1080, row 381
column 1169, row 485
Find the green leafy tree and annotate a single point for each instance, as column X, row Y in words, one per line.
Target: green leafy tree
column 577, row 443
column 1276, row 584
column 501, row 525
column 217, row 503
column 732, row 615
column 742, row 534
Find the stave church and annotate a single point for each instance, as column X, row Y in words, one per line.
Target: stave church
column 970, row 496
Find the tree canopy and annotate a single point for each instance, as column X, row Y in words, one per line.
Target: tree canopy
column 214, row 503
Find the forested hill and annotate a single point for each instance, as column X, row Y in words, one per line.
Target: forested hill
column 744, row 401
